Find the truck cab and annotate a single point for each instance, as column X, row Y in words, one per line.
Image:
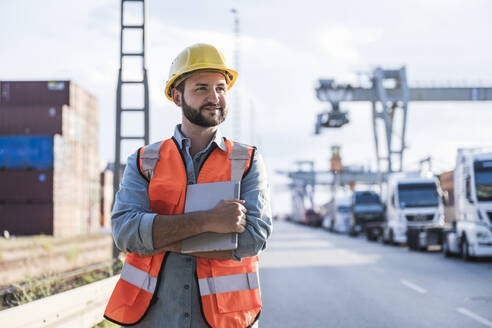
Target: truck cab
column 471, row 235
column 366, row 214
column 411, row 202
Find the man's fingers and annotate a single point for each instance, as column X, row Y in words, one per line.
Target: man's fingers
column 233, row 200
column 242, row 221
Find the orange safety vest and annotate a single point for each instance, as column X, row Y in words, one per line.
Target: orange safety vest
column 229, row 290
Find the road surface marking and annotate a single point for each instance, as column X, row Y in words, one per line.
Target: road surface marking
column 474, row 316
column 413, row 286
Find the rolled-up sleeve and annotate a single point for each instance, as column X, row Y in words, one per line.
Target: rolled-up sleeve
column 131, row 218
column 256, row 194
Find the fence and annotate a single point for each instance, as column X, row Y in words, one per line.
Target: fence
column 81, row 307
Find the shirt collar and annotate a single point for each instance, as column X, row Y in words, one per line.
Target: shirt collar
column 183, row 140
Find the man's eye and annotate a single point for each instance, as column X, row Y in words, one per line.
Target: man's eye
column 201, row 88
column 221, row 89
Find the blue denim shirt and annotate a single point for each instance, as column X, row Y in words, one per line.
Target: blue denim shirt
column 178, row 302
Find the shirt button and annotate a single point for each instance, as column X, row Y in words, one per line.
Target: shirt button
column 186, row 286
column 190, row 183
column 187, row 314
column 188, row 259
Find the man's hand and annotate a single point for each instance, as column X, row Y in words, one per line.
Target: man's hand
column 229, row 215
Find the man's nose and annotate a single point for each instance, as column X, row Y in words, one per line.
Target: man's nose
column 213, row 96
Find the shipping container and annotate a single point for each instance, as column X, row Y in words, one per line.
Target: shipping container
column 34, row 93
column 26, row 186
column 49, row 93
column 26, row 219
column 26, row 152
column 73, row 189
column 31, row 120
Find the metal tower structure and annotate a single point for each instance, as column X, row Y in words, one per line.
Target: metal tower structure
column 120, row 90
column 389, row 95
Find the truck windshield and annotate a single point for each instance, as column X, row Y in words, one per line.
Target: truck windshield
column 367, row 198
column 483, row 180
column 417, row 195
column 343, row 209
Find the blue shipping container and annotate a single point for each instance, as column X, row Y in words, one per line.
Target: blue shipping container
column 25, row 152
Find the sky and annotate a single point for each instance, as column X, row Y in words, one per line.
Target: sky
column 284, row 48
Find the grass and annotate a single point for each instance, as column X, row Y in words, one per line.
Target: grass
column 34, row 289
column 72, row 254
column 44, row 241
column 31, row 290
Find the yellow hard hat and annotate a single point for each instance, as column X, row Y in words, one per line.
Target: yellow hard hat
column 199, row 56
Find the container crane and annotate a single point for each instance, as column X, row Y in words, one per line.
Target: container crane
column 389, row 94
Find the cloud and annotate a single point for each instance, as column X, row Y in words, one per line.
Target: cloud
column 340, row 44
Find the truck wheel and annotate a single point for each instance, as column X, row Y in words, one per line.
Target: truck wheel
column 465, row 249
column 421, row 248
column 445, row 247
column 391, row 238
column 411, row 242
column 383, row 237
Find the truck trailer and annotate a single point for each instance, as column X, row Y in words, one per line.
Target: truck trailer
column 470, row 231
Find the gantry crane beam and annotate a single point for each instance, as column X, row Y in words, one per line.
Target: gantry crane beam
column 415, row 94
column 326, row 177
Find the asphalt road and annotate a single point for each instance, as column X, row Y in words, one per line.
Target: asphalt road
column 314, row 278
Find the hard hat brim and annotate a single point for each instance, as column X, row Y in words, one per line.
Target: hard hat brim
column 230, row 75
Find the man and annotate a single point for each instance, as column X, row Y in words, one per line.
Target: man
column 159, row 286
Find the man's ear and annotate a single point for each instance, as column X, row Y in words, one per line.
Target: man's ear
column 176, row 95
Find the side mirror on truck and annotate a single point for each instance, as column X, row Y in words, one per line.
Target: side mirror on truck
column 468, row 189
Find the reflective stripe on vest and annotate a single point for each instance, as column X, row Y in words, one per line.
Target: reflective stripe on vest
column 227, row 284
column 138, row 278
column 239, row 159
column 149, row 159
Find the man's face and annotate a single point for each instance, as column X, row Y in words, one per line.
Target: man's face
column 204, row 100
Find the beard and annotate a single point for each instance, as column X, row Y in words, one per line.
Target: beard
column 200, row 116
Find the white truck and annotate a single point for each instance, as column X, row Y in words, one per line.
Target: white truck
column 336, row 214
column 471, row 232
column 414, row 211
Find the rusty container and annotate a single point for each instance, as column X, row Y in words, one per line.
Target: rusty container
column 446, row 180
column 26, row 219
column 34, row 93
column 30, row 120
column 26, row 186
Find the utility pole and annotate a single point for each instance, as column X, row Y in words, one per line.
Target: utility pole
column 237, row 101
column 140, row 83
